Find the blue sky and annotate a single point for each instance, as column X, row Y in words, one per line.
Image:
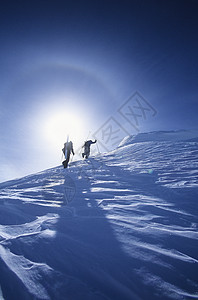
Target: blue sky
column 80, row 61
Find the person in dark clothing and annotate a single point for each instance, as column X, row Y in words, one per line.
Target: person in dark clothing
column 87, row 146
column 68, row 148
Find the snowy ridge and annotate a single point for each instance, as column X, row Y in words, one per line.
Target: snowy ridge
column 162, row 136
column 119, row 226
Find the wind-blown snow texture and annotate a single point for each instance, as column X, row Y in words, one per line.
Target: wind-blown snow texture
column 121, row 226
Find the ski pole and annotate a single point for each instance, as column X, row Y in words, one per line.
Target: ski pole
column 98, row 147
column 88, row 135
column 62, row 157
column 72, row 158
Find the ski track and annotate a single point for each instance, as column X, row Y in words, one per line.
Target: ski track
column 121, row 226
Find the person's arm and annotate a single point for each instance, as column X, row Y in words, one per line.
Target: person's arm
column 91, row 142
column 72, row 149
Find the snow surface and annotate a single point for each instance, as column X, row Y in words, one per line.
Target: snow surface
column 118, row 226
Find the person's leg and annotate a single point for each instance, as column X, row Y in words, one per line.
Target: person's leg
column 87, row 153
column 65, row 163
column 68, row 157
column 84, row 154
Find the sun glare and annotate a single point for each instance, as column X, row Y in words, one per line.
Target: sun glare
column 62, row 125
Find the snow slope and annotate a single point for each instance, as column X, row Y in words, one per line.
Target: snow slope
column 121, row 226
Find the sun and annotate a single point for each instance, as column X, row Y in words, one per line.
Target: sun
column 63, row 125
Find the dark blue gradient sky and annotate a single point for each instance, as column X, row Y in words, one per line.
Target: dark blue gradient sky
column 87, row 58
